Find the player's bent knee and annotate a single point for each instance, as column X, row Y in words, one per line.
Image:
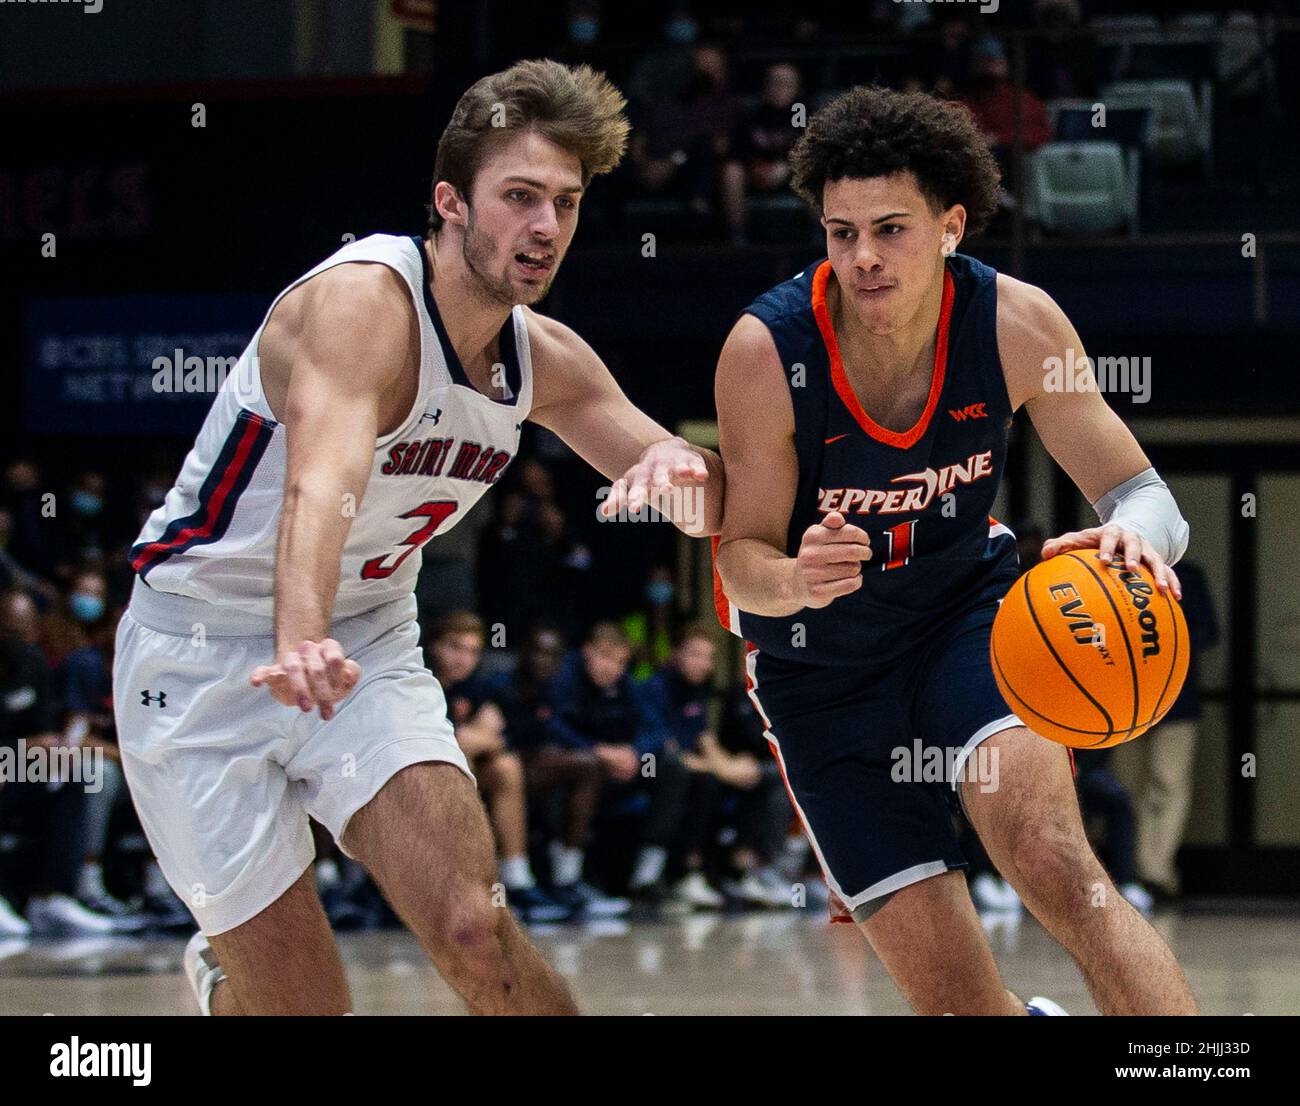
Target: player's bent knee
column 470, row 933
column 1054, row 863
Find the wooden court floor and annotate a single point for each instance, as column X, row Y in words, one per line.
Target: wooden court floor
column 1239, row 961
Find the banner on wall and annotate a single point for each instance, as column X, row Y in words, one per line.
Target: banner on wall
column 133, row 365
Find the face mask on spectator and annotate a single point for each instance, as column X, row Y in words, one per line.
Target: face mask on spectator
column 681, row 29
column 583, row 30
column 660, row 593
column 86, row 503
column 86, row 607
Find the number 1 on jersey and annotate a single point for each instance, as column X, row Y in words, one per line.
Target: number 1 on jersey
column 899, row 550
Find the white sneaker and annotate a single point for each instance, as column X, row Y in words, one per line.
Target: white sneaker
column 993, row 894
column 203, row 971
column 1139, row 898
column 63, row 916
column 762, row 887
column 1045, row 1007
column 780, row 892
column 12, row 924
column 696, row 892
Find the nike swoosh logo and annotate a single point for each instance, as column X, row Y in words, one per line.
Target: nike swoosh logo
column 836, row 438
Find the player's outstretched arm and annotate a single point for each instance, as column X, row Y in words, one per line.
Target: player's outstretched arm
column 330, row 351
column 575, row 396
column 756, row 439
column 1139, row 518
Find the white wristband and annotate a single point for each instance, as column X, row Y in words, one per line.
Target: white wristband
column 1145, row 504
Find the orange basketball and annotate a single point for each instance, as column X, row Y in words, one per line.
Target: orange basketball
column 1089, row 654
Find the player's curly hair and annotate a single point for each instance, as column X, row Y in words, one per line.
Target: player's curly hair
column 874, row 132
column 575, row 107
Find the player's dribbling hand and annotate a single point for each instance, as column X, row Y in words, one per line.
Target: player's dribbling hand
column 316, row 674
column 1106, row 540
column 829, row 563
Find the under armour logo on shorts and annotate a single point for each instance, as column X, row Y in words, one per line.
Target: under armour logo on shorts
column 160, row 699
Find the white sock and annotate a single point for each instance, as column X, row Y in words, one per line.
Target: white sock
column 566, row 864
column 90, row 883
column 516, row 873
column 649, row 865
column 155, row 883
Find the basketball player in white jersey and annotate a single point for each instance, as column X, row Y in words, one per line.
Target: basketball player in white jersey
column 381, row 397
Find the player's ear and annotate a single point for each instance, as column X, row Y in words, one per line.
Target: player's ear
column 449, row 203
column 953, row 222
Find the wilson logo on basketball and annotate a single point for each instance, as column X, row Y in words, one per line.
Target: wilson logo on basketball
column 970, row 411
column 1140, row 592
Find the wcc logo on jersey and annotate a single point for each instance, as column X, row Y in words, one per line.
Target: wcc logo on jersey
column 430, row 456
column 925, row 485
column 970, row 411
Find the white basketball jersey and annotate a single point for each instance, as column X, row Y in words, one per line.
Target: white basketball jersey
column 214, row 537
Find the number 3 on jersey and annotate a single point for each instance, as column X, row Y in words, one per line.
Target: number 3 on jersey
column 899, row 550
column 435, row 512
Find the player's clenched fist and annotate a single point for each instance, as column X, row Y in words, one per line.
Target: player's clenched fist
column 316, row 674
column 829, row 563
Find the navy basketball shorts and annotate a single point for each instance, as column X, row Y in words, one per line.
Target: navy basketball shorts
column 873, row 759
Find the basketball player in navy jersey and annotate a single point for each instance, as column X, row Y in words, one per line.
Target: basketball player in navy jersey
column 863, row 409
column 381, row 397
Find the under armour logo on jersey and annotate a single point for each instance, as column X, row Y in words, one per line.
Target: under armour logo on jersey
column 435, row 415
column 160, row 699
column 970, row 411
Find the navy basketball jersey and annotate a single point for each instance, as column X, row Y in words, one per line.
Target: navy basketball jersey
column 922, row 495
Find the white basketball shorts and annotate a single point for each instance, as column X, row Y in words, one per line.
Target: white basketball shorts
column 224, row 777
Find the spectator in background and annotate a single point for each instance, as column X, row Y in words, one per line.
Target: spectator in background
column 583, row 42
column 650, row 629
column 67, row 626
column 596, row 708
column 530, row 568
column 87, row 683
column 759, row 147
column 665, row 70
column 1062, row 62
column 32, row 540
column 996, row 104
column 20, row 617
column 12, row 572
column 48, row 813
column 680, row 139
column 453, row 655
column 1168, row 751
column 943, row 55
column 727, row 786
column 573, row 777
column 84, row 526
column 679, row 694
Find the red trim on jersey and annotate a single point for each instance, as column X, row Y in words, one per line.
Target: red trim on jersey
column 721, row 604
column 212, row 509
column 839, row 378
